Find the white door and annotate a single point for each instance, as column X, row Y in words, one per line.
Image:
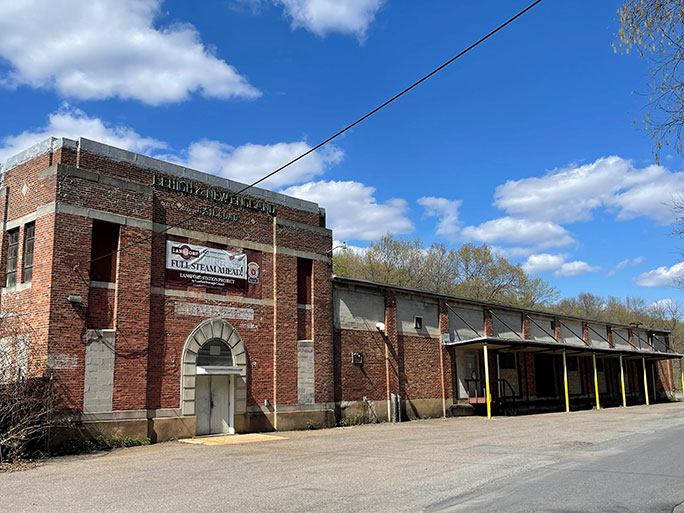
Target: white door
column 212, row 400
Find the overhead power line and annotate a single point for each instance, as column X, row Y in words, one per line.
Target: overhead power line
column 340, row 132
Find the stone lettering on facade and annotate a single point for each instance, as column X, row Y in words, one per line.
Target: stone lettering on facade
column 226, row 312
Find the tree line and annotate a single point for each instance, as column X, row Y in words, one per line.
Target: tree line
column 477, row 272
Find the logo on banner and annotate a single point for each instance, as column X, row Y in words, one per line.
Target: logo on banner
column 185, row 251
column 253, row 272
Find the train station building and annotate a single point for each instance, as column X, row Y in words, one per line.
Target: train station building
column 164, row 302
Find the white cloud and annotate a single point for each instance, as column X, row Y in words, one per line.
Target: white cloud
column 352, row 210
column 340, row 245
column 575, row 268
column 543, row 262
column 249, row 162
column 546, row 262
column 245, row 163
column 321, row 17
column 665, row 304
column 110, row 48
column 447, row 212
column 511, row 230
column 662, row 276
column 74, row 123
column 626, row 263
column 573, row 193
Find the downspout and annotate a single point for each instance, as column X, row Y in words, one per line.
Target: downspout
column 275, row 328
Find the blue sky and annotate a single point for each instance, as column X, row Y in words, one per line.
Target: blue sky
column 527, row 143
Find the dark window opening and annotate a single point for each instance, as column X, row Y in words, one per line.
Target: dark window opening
column 215, row 353
column 29, row 240
column 12, row 256
column 418, row 322
column 599, row 365
column 103, row 252
column 507, row 361
column 304, row 270
column 573, row 363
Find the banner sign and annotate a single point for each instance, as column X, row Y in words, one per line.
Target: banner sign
column 187, row 264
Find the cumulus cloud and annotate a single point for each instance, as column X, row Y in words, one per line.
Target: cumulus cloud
column 348, row 17
column 575, row 268
column 512, row 230
column 325, row 16
column 109, row 48
column 662, row 276
column 246, row 163
column 447, row 212
column 74, row 123
column 249, row 162
column 352, row 210
column 574, row 193
column 546, row 262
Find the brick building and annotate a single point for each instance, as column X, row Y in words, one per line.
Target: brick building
column 165, row 303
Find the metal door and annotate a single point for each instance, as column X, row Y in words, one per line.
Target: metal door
column 212, row 400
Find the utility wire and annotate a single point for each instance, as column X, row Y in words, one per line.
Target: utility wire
column 337, row 134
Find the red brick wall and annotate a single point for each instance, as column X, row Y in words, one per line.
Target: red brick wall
column 150, row 336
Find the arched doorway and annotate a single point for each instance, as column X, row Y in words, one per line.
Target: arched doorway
column 214, row 366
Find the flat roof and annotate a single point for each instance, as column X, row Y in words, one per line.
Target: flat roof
column 52, row 144
column 482, row 302
column 536, row 346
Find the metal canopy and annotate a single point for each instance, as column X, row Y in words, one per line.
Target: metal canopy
column 534, row 346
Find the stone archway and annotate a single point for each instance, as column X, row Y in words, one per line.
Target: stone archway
column 212, row 329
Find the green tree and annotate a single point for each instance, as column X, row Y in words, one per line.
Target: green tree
column 470, row 271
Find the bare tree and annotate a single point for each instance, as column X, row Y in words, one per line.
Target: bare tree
column 26, row 392
column 655, row 28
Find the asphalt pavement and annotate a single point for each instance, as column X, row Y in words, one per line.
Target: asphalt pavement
column 614, row 460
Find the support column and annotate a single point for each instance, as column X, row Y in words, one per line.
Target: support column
column 622, row 384
column 489, row 396
column 596, row 387
column 643, row 363
column 565, row 382
column 681, row 371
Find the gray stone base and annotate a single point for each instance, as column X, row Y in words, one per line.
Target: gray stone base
column 133, row 428
column 256, row 422
column 376, row 411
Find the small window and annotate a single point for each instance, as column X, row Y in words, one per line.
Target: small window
column 599, row 364
column 573, row 363
column 12, row 254
column 103, row 252
column 29, row 240
column 507, row 361
column 418, row 322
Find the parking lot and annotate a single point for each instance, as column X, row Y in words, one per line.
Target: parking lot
column 609, row 460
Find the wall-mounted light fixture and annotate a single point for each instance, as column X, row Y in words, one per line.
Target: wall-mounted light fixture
column 73, row 298
column 380, row 326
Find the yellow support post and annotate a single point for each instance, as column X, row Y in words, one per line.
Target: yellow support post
column 596, row 388
column 681, row 370
column 643, row 362
column 565, row 381
column 489, row 396
column 622, row 384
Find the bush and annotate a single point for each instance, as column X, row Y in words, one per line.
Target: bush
column 99, row 443
column 26, row 406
